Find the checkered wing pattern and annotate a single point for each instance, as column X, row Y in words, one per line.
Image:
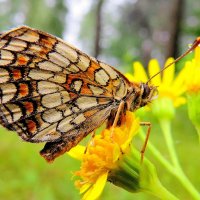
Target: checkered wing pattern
column 52, row 92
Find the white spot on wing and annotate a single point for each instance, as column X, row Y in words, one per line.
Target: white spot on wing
column 2, row 43
column 86, row 102
column 65, row 96
column 83, row 63
column 76, row 85
column 6, row 57
column 101, row 77
column 48, row 133
column 45, row 87
column 6, row 114
column 58, row 78
column 75, row 109
column 51, row 116
column 29, row 36
column 67, row 51
column 4, row 75
column 16, row 45
column 113, row 74
column 16, row 111
column 79, row 119
column 65, row 125
column 39, row 74
column 8, row 92
column 51, row 100
column 96, row 90
column 58, row 59
column 46, row 65
column 122, row 90
column 67, row 111
column 73, row 68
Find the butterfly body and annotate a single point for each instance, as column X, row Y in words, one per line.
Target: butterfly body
column 52, row 92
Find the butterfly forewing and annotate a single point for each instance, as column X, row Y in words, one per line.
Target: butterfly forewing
column 51, row 91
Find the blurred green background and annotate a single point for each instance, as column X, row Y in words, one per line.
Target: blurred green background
column 118, row 33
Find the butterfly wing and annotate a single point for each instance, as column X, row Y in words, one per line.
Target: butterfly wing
column 50, row 90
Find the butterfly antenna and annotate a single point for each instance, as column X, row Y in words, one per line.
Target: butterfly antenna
column 194, row 45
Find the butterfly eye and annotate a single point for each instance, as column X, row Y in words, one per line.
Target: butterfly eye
column 146, row 91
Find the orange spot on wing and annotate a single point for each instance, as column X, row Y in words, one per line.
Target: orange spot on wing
column 109, row 87
column 102, row 100
column 43, row 51
column 29, row 107
column 33, row 33
column 31, row 126
column 22, row 60
column 37, row 59
column 86, row 90
column 91, row 69
column 16, row 74
column 90, row 113
column 23, row 89
column 47, row 41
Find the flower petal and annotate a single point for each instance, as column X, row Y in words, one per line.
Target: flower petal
column 168, row 74
column 154, row 68
column 130, row 77
column 95, row 191
column 77, row 152
column 197, row 54
column 179, row 101
column 85, row 187
column 180, row 79
column 139, row 72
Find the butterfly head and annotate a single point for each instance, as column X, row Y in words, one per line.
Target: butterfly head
column 145, row 95
column 148, row 93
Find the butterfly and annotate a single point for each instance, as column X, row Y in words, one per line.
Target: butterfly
column 52, row 92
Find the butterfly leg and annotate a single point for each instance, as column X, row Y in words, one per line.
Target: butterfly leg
column 90, row 141
column 146, row 139
column 117, row 116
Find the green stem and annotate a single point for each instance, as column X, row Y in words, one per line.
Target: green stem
column 177, row 172
column 166, row 129
column 161, row 192
column 149, row 180
column 187, row 184
column 198, row 131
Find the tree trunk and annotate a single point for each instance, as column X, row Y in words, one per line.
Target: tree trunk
column 174, row 28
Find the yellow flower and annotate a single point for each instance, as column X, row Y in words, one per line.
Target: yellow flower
column 102, row 156
column 111, row 157
column 169, row 86
column 192, row 78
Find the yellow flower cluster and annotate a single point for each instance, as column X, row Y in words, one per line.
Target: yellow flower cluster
column 169, row 86
column 102, row 155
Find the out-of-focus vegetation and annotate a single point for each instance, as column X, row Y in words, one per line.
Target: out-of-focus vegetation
column 127, row 31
